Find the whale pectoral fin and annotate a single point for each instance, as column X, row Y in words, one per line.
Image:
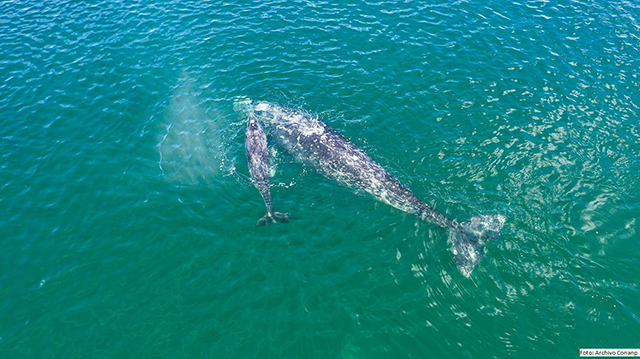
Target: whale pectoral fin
column 467, row 242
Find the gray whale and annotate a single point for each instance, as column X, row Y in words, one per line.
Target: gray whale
column 314, row 143
column 258, row 161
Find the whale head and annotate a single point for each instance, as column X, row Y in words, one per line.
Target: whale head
column 252, row 122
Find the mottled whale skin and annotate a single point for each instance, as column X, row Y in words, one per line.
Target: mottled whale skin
column 258, row 161
column 314, row 143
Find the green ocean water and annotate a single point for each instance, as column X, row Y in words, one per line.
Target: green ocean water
column 128, row 226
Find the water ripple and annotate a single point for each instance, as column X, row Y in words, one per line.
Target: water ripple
column 130, row 212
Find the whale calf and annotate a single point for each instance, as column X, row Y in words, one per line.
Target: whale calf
column 258, row 161
column 312, row 142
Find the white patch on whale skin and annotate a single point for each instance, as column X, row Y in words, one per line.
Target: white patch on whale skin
column 312, row 130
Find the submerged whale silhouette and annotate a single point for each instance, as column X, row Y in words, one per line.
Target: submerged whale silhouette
column 312, row 142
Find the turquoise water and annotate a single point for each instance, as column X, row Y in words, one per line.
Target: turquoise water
column 129, row 214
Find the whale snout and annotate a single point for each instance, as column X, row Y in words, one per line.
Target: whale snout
column 252, row 122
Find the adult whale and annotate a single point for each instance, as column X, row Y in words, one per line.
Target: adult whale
column 258, row 161
column 312, row 142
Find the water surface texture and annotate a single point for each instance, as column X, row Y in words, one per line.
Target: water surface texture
column 128, row 226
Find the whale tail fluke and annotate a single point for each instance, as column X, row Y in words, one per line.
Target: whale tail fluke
column 271, row 217
column 468, row 240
